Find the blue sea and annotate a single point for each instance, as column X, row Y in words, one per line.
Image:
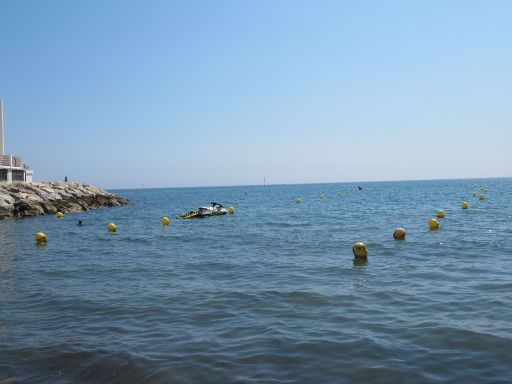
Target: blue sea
column 271, row 294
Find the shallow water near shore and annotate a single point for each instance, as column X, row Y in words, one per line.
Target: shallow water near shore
column 270, row 294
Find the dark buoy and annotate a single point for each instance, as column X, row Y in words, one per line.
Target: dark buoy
column 399, row 234
column 360, row 250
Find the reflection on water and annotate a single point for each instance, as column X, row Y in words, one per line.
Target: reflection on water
column 360, row 261
column 7, row 259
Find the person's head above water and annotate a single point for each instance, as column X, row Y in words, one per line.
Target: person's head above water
column 80, row 223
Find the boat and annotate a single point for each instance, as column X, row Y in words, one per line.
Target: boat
column 188, row 215
column 215, row 209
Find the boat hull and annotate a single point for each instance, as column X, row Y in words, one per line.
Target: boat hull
column 199, row 215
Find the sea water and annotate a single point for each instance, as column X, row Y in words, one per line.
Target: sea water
column 271, row 294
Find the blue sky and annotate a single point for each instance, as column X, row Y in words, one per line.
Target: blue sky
column 161, row 93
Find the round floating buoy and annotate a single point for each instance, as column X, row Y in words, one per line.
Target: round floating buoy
column 112, row 227
column 360, row 250
column 481, row 197
column 298, row 200
column 322, row 197
column 399, row 234
column 59, row 215
column 440, row 214
column 231, row 210
column 165, row 220
column 474, row 194
column 41, row 238
column 464, row 205
column 433, row 224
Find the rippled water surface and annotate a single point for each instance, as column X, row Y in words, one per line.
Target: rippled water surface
column 271, row 294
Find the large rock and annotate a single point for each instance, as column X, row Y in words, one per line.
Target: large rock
column 5, row 209
column 8, row 199
column 48, row 207
column 24, row 208
column 22, row 199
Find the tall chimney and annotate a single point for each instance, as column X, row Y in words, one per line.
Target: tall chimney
column 1, row 129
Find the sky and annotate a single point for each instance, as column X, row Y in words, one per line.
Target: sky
column 125, row 94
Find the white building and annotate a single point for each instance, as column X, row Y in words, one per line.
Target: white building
column 11, row 167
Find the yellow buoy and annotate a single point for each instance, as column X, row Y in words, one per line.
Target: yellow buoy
column 440, row 214
column 360, row 250
column 112, row 227
column 474, row 194
column 165, row 220
column 231, row 210
column 399, row 234
column 59, row 215
column 481, row 197
column 298, row 200
column 464, row 205
column 433, row 224
column 41, row 238
column 322, row 197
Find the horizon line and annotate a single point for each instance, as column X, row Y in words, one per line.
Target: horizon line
column 316, row 183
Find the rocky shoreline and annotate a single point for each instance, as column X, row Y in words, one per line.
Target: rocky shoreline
column 33, row 199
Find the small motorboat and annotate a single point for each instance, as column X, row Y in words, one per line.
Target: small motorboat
column 215, row 209
column 188, row 215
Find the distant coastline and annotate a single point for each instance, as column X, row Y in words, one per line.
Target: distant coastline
column 34, row 199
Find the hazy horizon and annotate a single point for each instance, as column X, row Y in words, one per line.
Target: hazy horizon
column 355, row 183
column 162, row 94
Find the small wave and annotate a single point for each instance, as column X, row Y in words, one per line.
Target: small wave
column 63, row 363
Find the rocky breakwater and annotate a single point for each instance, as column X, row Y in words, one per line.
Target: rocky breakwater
column 24, row 199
